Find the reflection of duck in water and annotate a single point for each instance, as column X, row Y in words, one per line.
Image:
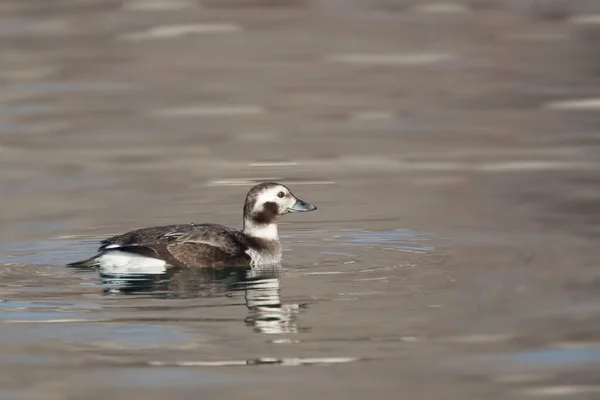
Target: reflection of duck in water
column 158, row 249
column 177, row 283
column 263, row 299
column 261, row 287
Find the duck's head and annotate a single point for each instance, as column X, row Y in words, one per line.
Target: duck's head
column 265, row 203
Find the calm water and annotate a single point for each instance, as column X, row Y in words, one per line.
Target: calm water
column 181, row 329
column 451, row 149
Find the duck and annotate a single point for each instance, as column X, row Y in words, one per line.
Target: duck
column 156, row 249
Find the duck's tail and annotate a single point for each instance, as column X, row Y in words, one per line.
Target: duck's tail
column 89, row 263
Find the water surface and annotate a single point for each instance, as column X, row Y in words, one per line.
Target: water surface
column 451, row 150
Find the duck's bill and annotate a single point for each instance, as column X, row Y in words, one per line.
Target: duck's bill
column 301, row 206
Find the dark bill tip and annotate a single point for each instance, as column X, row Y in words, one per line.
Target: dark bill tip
column 302, row 206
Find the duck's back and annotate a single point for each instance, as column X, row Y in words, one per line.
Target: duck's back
column 185, row 245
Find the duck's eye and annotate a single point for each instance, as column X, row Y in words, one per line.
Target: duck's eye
column 281, row 195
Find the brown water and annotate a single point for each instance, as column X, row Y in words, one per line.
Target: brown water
column 452, row 150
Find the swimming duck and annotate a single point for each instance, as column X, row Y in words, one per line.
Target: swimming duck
column 156, row 249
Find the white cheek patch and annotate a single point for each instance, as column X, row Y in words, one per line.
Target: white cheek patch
column 266, row 197
column 124, row 263
column 270, row 196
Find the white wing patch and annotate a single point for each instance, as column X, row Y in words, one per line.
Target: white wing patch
column 121, row 262
column 112, row 246
column 174, row 234
column 193, row 237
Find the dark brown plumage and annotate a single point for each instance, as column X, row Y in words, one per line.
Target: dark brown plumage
column 207, row 245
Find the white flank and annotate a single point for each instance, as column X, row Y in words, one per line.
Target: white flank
column 123, row 263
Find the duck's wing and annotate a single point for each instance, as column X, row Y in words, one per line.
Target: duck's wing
column 209, row 244
column 146, row 235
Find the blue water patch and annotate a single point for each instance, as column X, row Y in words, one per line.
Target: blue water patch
column 24, row 305
column 171, row 377
column 53, row 304
column 585, row 308
column 395, row 239
column 82, row 332
column 47, row 252
column 381, row 234
column 54, row 87
column 30, row 360
column 26, row 109
column 385, row 234
column 396, row 246
column 48, row 226
column 22, row 311
column 554, row 357
column 39, row 316
column 14, row 128
column 10, row 394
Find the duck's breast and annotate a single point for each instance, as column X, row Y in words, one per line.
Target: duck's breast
column 263, row 252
